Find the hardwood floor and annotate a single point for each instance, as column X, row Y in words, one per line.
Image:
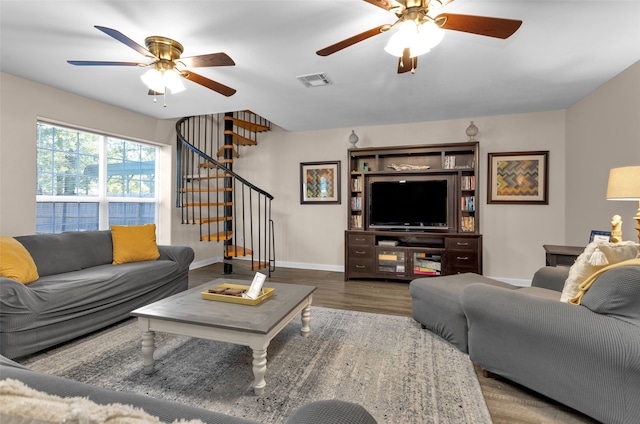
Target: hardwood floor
column 507, row 402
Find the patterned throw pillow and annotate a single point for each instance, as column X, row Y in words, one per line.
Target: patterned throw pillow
column 584, row 266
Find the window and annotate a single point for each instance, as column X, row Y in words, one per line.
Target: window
column 88, row 181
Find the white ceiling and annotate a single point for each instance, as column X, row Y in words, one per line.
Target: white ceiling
column 563, row 51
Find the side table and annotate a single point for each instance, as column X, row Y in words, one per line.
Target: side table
column 561, row 255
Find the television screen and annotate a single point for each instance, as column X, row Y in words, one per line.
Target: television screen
column 409, row 204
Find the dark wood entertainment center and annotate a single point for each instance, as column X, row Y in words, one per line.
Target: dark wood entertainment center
column 393, row 252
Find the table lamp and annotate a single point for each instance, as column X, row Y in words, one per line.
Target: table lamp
column 624, row 184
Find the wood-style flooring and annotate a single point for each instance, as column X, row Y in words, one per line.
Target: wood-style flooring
column 507, row 402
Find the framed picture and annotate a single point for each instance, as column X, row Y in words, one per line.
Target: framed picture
column 320, row 182
column 518, row 178
column 600, row 236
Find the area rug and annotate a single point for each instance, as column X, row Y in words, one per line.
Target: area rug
column 397, row 371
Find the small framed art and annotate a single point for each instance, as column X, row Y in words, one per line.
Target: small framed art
column 600, row 236
column 320, row 182
column 518, row 178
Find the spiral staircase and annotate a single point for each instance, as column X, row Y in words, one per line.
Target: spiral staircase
column 227, row 208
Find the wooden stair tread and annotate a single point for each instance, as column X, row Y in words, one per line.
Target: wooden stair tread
column 250, row 126
column 220, row 152
column 205, row 189
column 234, row 251
column 207, row 220
column 207, row 204
column 240, row 140
column 226, row 235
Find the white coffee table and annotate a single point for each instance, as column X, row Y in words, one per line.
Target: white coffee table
column 188, row 314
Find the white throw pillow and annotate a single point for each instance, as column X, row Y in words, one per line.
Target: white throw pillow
column 583, row 267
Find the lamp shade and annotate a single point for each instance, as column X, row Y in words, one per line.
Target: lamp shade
column 624, row 183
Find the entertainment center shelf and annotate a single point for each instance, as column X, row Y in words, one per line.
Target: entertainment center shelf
column 413, row 211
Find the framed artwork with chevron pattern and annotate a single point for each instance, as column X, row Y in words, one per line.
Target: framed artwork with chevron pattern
column 518, row 178
column 320, row 182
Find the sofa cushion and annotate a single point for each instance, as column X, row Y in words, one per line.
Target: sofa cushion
column 65, row 252
column 583, row 268
column 15, row 261
column 135, row 243
column 616, row 292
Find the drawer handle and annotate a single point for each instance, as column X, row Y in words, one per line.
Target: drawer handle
column 360, row 239
column 463, row 243
column 360, row 266
column 462, row 258
column 360, row 252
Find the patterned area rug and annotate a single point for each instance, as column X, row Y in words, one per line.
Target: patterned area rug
column 399, row 372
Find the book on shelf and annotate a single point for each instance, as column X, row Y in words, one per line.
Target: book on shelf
column 425, row 271
column 356, row 221
column 467, row 223
column 468, row 182
column 356, row 203
column 467, row 203
column 387, row 257
column 356, row 184
column 387, row 242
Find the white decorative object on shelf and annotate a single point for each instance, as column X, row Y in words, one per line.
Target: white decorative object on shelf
column 353, row 139
column 472, row 131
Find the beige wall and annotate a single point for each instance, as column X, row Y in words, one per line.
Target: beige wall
column 603, row 132
column 312, row 236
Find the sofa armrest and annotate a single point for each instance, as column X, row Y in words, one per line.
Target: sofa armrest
column 183, row 255
column 554, row 348
column 331, row 412
column 551, row 277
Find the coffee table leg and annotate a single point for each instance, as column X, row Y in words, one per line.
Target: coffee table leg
column 148, row 346
column 259, row 370
column 306, row 317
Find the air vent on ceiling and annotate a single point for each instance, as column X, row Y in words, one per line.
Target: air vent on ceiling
column 314, row 80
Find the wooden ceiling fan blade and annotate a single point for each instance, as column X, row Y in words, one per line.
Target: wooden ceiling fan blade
column 99, row 63
column 210, row 84
column 352, row 40
column 480, row 25
column 407, row 63
column 386, row 4
column 125, row 40
column 206, row 60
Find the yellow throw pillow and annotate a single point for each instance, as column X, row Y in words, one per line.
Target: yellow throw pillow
column 16, row 262
column 134, row 243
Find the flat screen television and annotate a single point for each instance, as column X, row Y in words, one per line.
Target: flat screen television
column 418, row 203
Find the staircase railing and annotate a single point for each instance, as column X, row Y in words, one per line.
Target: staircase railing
column 226, row 207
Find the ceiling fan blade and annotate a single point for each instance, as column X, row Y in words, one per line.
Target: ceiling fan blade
column 386, row 4
column 125, row 40
column 210, row 84
column 407, row 63
column 481, row 25
column 97, row 63
column 352, row 40
column 213, row 59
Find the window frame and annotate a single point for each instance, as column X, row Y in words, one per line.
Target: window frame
column 103, row 199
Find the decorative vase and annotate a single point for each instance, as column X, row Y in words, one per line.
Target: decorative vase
column 353, row 139
column 472, row 132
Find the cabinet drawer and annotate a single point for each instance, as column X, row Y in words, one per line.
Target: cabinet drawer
column 361, row 239
column 356, row 251
column 462, row 259
column 364, row 266
column 455, row 243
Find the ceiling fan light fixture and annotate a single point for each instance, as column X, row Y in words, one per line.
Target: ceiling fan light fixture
column 160, row 80
column 418, row 37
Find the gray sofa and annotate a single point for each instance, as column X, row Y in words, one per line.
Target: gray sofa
column 80, row 291
column 585, row 356
column 325, row 412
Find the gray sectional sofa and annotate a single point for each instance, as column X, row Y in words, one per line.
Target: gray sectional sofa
column 320, row 412
column 80, row 290
column 585, row 356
